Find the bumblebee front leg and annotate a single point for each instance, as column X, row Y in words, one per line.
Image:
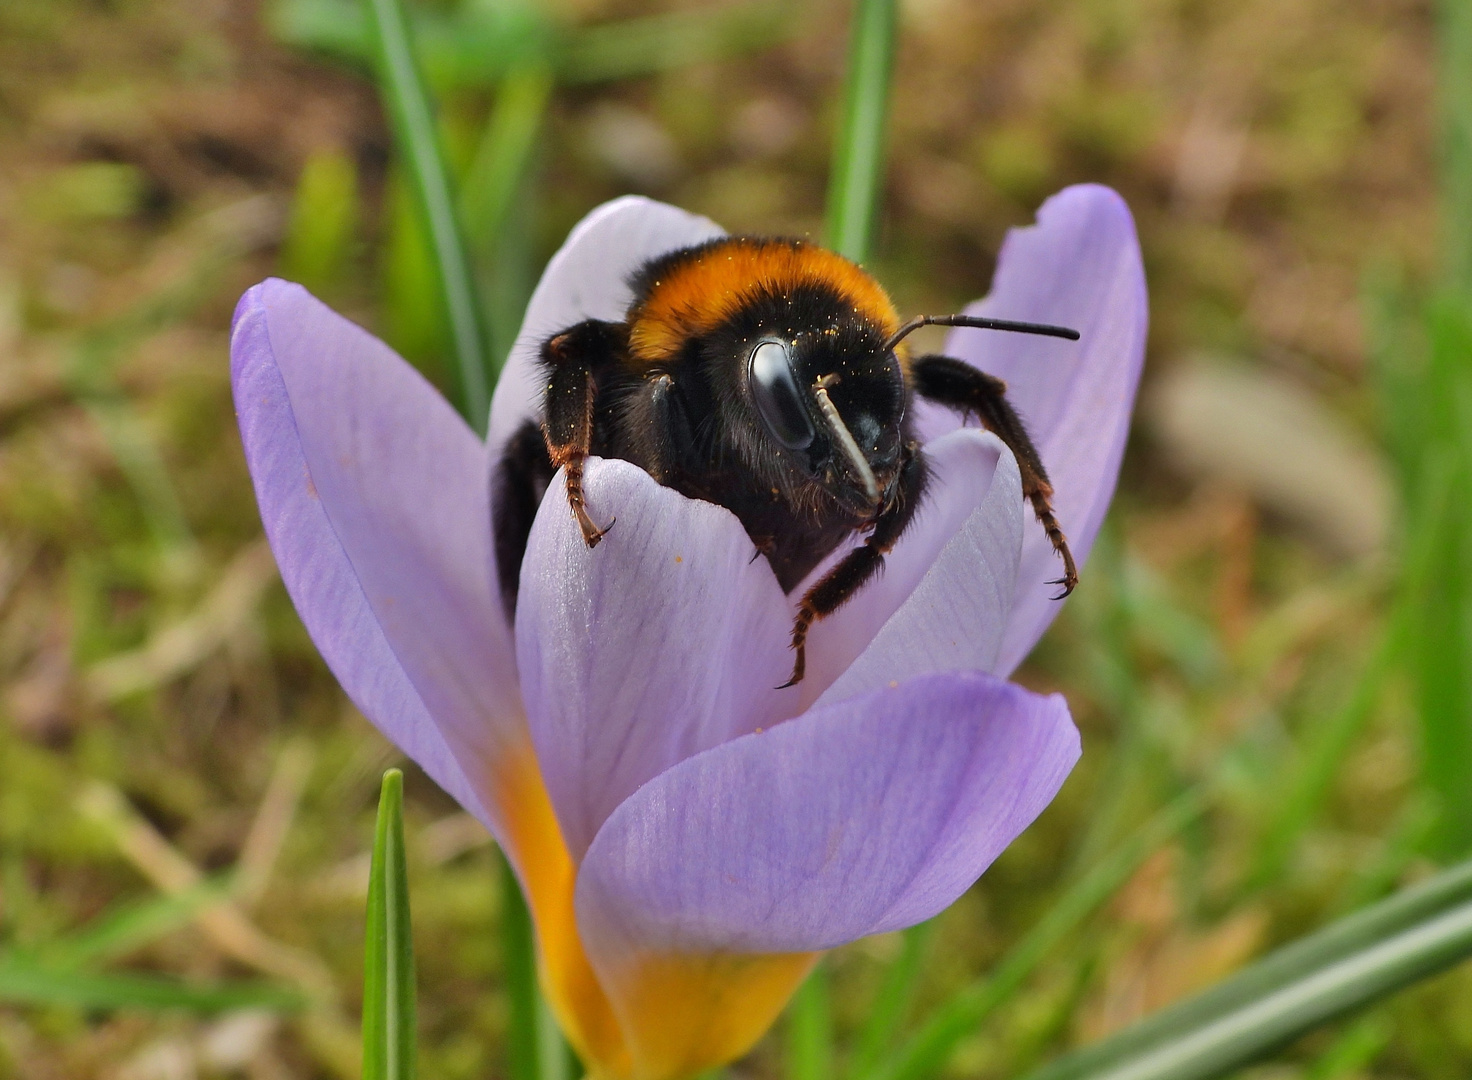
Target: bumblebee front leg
column 571, row 360
column 956, row 383
column 861, row 564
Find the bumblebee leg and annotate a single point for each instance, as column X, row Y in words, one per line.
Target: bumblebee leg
column 658, row 429
column 570, row 359
column 517, row 487
column 947, row 381
column 860, row 565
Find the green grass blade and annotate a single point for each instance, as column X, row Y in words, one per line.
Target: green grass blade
column 23, row 983
column 891, row 1004
column 858, row 159
column 924, row 1055
column 472, row 47
column 1454, row 41
column 1291, row 963
column 1309, row 791
column 503, row 155
column 141, row 463
column 478, row 48
column 651, row 43
column 388, row 950
column 1215, row 1041
column 498, row 201
column 337, row 28
column 323, row 227
column 810, row 1030
column 414, row 133
column 132, row 926
column 1351, row 1051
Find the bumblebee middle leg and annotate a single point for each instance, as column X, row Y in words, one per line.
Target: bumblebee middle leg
column 861, row 564
column 952, row 382
column 572, row 359
column 654, row 429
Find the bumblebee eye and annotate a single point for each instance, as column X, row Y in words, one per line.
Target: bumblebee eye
column 778, row 398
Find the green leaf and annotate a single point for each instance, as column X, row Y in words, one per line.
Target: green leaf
column 25, row 983
column 418, row 143
column 1348, row 964
column 858, row 158
column 388, row 949
column 924, row 1055
column 810, row 1030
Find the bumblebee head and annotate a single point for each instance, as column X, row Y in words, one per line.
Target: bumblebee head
column 833, row 402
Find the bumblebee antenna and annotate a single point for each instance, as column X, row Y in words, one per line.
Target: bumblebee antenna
column 918, row 321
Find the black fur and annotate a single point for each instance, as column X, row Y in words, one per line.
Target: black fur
column 692, row 425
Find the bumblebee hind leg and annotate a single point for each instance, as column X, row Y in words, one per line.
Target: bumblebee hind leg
column 957, row 384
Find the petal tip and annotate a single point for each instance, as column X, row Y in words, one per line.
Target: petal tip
column 1097, row 198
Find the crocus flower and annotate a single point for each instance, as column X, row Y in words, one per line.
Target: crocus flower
column 690, row 838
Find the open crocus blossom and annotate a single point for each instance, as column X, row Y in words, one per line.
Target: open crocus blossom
column 690, row 838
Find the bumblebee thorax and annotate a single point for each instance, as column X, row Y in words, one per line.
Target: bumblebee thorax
column 753, row 284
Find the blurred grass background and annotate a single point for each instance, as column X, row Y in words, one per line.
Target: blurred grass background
column 1275, row 626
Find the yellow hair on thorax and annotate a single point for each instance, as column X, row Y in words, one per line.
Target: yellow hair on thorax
column 697, row 295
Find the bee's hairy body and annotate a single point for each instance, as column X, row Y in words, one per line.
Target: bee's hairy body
column 758, row 374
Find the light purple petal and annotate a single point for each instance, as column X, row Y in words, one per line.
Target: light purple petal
column 858, row 818
column 966, row 507
column 374, row 497
column 1079, row 266
column 586, row 279
column 955, row 617
column 664, row 640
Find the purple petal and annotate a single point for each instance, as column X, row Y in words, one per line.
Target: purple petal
column 664, row 640
column 374, row 497
column 586, row 279
column 857, row 818
column 955, row 617
column 942, row 601
column 1079, row 266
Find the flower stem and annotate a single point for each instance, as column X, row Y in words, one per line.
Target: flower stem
column 858, row 159
column 414, row 132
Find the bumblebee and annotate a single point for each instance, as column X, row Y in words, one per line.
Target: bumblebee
column 767, row 376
